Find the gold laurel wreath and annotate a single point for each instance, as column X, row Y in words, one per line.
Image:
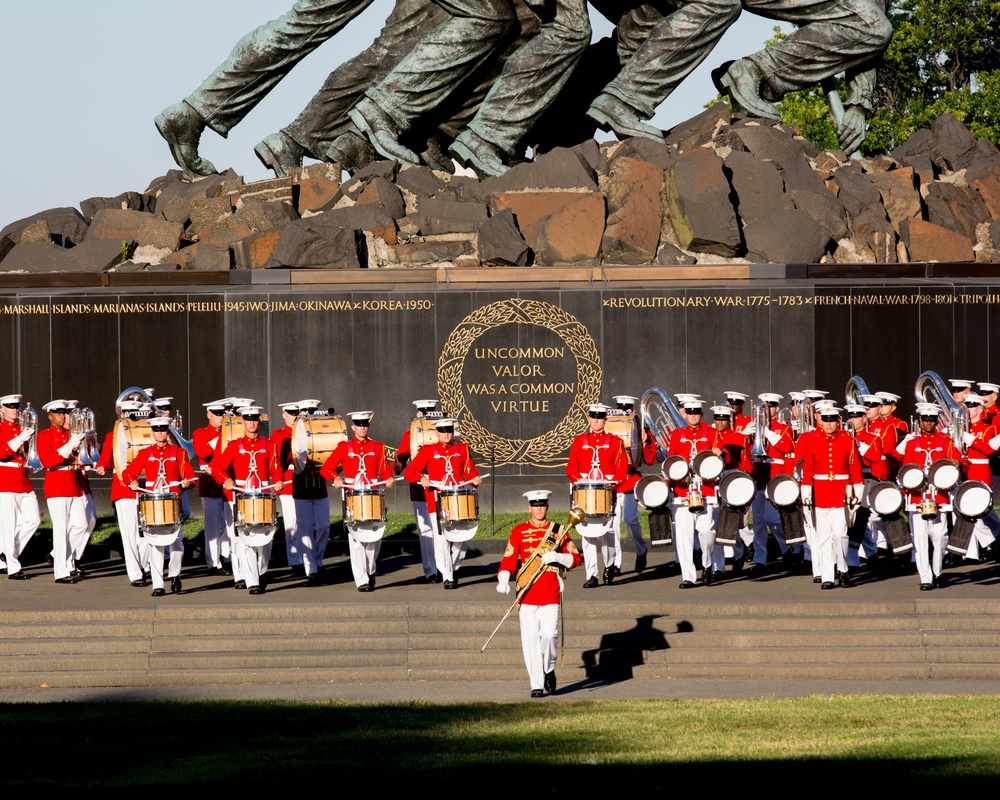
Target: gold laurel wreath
column 549, row 449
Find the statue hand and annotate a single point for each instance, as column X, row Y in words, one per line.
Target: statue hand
column 851, row 130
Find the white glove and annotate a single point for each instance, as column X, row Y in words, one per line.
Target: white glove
column 553, row 557
column 859, row 492
column 20, row 439
column 968, row 438
column 750, row 429
column 807, row 494
column 901, row 447
column 214, row 443
column 772, row 436
column 503, row 585
column 66, row 450
column 995, row 443
column 77, row 439
column 864, row 448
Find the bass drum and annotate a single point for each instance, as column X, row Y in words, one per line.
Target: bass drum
column 131, row 436
column 422, row 431
column 626, row 427
column 737, row 489
column 652, row 491
column 885, row 498
column 783, row 491
column 943, row 475
column 232, row 429
column 973, row 499
column 314, row 439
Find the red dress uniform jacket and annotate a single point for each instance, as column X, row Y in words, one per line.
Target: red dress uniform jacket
column 402, row 459
column 524, row 539
column 206, row 442
column 735, row 449
column 873, row 463
column 979, row 452
column 633, row 475
column 13, row 473
column 434, row 459
column 924, row 450
column 355, row 458
column 119, row 491
column 62, row 479
column 252, row 463
column 778, row 453
column 165, row 467
column 602, row 449
column 282, row 439
column 830, row 464
column 687, row 442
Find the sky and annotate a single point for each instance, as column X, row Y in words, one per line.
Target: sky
column 82, row 82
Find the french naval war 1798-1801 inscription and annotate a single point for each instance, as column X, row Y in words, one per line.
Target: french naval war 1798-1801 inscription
column 518, row 375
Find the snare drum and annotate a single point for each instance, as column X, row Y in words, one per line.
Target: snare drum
column 256, row 519
column 314, row 439
column 707, row 465
column 676, row 468
column 783, row 491
column 364, row 505
column 595, row 499
column 910, row 477
column 458, row 505
column 159, row 510
column 652, row 491
column 943, row 474
column 885, row 499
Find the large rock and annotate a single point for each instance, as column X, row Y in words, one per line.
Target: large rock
column 954, row 142
column 117, row 224
column 634, row 212
column 786, row 236
column 159, row 233
column 926, row 241
column 856, row 192
column 370, row 219
column 760, row 191
column 306, row 244
column 957, row 208
column 875, row 234
column 436, row 252
column 94, row 255
column 133, row 201
column 208, row 211
column 900, row 198
column 560, row 227
column 501, row 243
column 67, row 226
column 383, row 194
column 823, row 207
column 699, row 205
column 435, row 216
column 700, row 129
column 560, row 168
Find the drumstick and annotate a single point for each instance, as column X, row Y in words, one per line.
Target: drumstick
column 354, row 483
column 458, row 485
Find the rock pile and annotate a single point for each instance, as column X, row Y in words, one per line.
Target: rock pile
column 722, row 190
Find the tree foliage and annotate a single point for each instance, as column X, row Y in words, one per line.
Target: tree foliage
column 944, row 57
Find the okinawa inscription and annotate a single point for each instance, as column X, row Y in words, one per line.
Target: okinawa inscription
column 503, row 394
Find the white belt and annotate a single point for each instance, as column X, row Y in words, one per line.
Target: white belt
column 63, row 469
column 979, row 461
column 21, row 466
column 828, row 478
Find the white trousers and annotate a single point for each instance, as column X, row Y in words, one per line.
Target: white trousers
column 253, row 561
column 929, row 533
column 157, row 555
column 214, row 531
column 425, row 531
column 69, row 532
column 589, row 544
column 539, row 641
column 235, row 550
column 135, row 549
column 831, row 542
column 686, row 526
column 312, row 525
column 19, row 519
column 448, row 555
column 363, row 558
column 293, row 547
column 627, row 511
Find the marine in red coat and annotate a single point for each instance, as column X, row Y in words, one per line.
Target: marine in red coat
column 539, row 612
column 19, row 516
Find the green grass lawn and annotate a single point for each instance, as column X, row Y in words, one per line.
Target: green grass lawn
column 540, row 748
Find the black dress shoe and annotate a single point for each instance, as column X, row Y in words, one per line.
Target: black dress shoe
column 314, row 580
column 240, row 585
column 537, row 693
column 256, row 590
column 845, row 579
column 550, row 681
column 371, row 583
column 708, row 577
column 687, row 585
column 78, row 572
column 225, row 569
column 609, row 575
column 926, row 587
column 449, row 584
column 826, row 585
column 938, row 581
column 365, row 587
column 147, row 576
column 66, row 580
column 138, row 584
column 817, row 579
column 175, row 585
column 157, row 593
column 640, row 563
column 758, row 571
column 436, row 578
column 17, row 576
column 591, row 582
